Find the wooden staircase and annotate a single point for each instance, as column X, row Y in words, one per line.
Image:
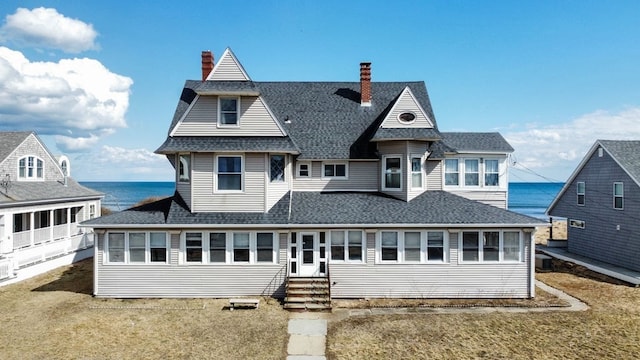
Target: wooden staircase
column 308, row 294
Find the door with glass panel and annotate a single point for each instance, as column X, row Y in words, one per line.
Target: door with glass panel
column 308, row 254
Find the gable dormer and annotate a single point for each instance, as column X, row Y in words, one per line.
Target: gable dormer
column 228, row 69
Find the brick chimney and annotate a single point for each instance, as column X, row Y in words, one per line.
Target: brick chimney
column 365, row 84
column 207, row 64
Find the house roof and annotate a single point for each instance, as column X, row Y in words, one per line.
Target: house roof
column 227, row 143
column 461, row 142
column 24, row 192
column 9, row 141
column 626, row 153
column 406, row 134
column 328, row 210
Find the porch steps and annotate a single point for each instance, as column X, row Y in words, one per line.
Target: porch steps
column 308, row 294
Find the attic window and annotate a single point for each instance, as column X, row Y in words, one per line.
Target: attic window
column 407, row 117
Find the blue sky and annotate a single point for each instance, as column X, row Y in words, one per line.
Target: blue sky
column 99, row 82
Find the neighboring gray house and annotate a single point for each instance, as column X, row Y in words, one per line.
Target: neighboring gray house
column 346, row 182
column 601, row 201
column 40, row 209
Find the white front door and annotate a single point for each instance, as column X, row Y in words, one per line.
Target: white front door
column 308, row 254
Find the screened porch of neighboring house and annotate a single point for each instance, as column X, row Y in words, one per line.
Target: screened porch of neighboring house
column 44, row 234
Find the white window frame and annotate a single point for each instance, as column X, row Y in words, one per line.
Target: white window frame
column 485, row 173
column 384, row 172
column 186, row 169
column 445, row 172
column 299, row 165
column 579, row 193
column 481, row 246
column 147, row 248
column 420, row 172
column 284, row 169
column 31, row 163
column 465, row 172
column 92, row 211
column 229, row 259
column 220, row 112
column 345, row 247
column 334, row 164
column 579, row 224
column 621, row 195
column 216, row 173
column 424, row 247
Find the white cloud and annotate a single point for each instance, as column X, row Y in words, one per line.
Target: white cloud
column 80, row 144
column 554, row 151
column 76, row 98
column 46, row 28
column 112, row 163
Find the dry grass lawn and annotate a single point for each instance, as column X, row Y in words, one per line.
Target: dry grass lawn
column 609, row 330
column 53, row 316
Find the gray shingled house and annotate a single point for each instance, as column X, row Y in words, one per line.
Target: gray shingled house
column 40, row 209
column 347, row 184
column 601, row 201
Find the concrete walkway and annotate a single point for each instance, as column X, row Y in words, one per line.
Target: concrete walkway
column 307, row 336
column 308, row 330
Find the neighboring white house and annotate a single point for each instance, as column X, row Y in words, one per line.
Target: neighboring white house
column 350, row 183
column 40, row 209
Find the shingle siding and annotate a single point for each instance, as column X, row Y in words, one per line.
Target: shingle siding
column 599, row 239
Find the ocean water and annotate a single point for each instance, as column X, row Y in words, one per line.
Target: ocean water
column 526, row 198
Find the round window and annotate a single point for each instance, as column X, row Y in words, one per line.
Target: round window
column 407, row 117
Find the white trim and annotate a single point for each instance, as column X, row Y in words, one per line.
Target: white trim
column 383, row 167
column 424, row 246
column 184, row 115
column 215, row 173
column 309, row 165
column 220, row 125
column 147, row 248
column 481, row 247
column 345, row 245
column 583, row 193
column 34, row 168
column 410, row 171
column 322, row 226
column 228, row 52
column 284, row 168
column 228, row 260
column 406, row 91
column 621, row 196
column 346, row 170
column 179, row 156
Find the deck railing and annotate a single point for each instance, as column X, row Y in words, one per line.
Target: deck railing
column 52, row 249
column 5, row 268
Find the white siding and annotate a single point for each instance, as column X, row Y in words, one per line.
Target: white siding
column 228, row 68
column 276, row 190
column 495, row 198
column 202, row 119
column 250, row 200
column 434, row 175
column 415, row 148
column 363, row 176
column 450, row 280
column 406, row 103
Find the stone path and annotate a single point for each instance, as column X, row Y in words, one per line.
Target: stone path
column 307, row 336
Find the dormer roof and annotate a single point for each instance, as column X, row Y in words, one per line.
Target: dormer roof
column 228, row 69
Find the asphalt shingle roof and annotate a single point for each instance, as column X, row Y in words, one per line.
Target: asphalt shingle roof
column 9, row 140
column 485, row 142
column 28, row 191
column 627, row 153
column 227, row 143
column 406, row 134
column 335, row 208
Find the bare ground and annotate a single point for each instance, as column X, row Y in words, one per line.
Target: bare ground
column 53, row 316
column 559, row 232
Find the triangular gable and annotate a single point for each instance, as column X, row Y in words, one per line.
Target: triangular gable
column 407, row 103
column 24, row 143
column 579, row 168
column 199, row 119
column 228, row 69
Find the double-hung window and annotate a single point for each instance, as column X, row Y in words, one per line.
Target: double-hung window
column 229, row 172
column 491, row 246
column 618, row 196
column 193, row 247
column 304, row 169
column 412, row 246
column 158, row 247
column 435, row 246
column 580, row 191
column 115, row 247
column 334, row 170
column 392, row 177
column 228, row 111
column 276, row 168
column 137, row 247
column 217, row 247
column 389, row 246
column 241, row 247
column 451, row 172
column 264, row 247
column 491, row 172
column 346, row 245
column 416, row 172
column 471, row 172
